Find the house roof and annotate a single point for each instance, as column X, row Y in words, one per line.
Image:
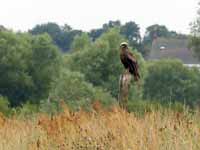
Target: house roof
column 172, row 48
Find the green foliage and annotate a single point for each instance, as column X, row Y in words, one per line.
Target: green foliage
column 170, row 81
column 155, row 31
column 195, row 25
column 194, row 44
column 28, row 65
column 45, row 66
column 50, row 106
column 111, row 24
column 73, row 89
column 100, row 63
column 81, row 42
column 32, row 74
column 2, row 28
column 51, row 28
column 131, row 31
column 62, row 36
column 26, row 110
column 15, row 52
column 158, row 31
column 141, row 107
column 96, row 33
column 4, row 106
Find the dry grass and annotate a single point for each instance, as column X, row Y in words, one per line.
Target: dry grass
column 102, row 130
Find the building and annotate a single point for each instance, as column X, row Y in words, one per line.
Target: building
column 163, row 48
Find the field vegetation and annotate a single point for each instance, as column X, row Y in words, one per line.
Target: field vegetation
column 59, row 90
column 103, row 129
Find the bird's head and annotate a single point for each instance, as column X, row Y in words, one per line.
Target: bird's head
column 123, row 46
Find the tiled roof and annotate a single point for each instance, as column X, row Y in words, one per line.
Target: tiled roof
column 172, row 48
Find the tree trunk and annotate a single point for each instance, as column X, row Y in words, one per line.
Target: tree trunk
column 124, row 85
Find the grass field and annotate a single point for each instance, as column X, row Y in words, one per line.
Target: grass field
column 101, row 129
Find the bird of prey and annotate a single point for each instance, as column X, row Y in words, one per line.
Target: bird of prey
column 129, row 60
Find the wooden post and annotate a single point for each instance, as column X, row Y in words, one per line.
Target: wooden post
column 124, row 85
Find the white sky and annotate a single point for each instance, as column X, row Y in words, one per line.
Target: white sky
column 88, row 14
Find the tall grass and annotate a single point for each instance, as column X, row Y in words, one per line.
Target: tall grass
column 113, row 129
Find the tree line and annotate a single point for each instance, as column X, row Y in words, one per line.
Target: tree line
column 63, row 36
column 35, row 74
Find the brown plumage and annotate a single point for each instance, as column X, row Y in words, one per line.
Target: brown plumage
column 129, row 61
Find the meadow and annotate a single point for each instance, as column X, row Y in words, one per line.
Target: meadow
column 102, row 129
column 59, row 88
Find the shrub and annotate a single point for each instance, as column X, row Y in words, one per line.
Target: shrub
column 76, row 92
column 28, row 65
column 170, row 81
column 100, row 62
column 26, row 110
column 4, row 106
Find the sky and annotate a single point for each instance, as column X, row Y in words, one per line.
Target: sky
column 90, row 14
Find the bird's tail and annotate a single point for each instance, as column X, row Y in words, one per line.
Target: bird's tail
column 135, row 71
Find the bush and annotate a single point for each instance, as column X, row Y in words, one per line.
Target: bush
column 76, row 92
column 170, row 81
column 28, row 65
column 4, row 106
column 100, row 62
column 26, row 110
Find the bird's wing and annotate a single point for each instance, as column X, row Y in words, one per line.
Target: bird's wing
column 133, row 65
column 131, row 57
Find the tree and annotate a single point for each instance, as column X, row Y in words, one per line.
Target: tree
column 15, row 79
column 194, row 45
column 52, row 29
column 2, row 28
column 66, row 28
column 111, row 24
column 194, row 42
column 131, row 31
column 45, row 65
column 170, row 81
column 81, row 42
column 66, row 39
column 96, row 33
column 76, row 92
column 62, row 36
column 155, row 31
column 100, row 63
column 28, row 65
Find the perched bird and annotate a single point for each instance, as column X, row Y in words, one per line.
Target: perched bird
column 129, row 60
